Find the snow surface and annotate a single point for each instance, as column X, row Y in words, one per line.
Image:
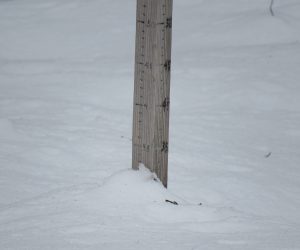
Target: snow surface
column 66, row 85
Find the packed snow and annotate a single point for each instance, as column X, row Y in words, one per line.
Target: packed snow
column 66, row 94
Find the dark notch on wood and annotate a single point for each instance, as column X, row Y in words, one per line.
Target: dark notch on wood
column 166, row 103
column 145, row 64
column 146, row 147
column 142, row 105
column 165, row 147
column 167, row 65
column 169, row 23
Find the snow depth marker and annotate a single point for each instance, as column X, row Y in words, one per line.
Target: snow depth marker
column 152, row 86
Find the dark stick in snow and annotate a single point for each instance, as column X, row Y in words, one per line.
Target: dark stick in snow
column 268, row 155
column 172, row 202
column 271, row 8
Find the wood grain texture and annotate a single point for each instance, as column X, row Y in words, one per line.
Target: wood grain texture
column 152, row 86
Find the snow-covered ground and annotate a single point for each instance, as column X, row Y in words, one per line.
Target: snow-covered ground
column 66, row 85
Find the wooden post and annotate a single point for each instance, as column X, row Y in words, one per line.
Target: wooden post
column 152, row 86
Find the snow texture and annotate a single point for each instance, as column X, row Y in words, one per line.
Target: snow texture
column 66, row 91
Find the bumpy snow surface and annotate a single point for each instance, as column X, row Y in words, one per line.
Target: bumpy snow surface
column 66, row 90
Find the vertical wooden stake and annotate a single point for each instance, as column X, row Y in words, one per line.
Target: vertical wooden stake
column 152, row 86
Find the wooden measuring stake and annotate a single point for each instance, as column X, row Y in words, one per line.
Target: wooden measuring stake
column 152, row 86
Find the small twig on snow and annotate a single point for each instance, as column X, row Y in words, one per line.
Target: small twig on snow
column 268, row 155
column 172, row 202
column 271, row 8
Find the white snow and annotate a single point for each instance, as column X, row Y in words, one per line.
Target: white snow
column 66, row 86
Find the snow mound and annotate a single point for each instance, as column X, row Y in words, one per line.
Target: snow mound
column 129, row 186
column 131, row 194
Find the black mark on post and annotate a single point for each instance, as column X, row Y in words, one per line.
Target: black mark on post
column 167, row 65
column 146, row 147
column 165, row 147
column 142, row 105
column 166, row 103
column 169, row 23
